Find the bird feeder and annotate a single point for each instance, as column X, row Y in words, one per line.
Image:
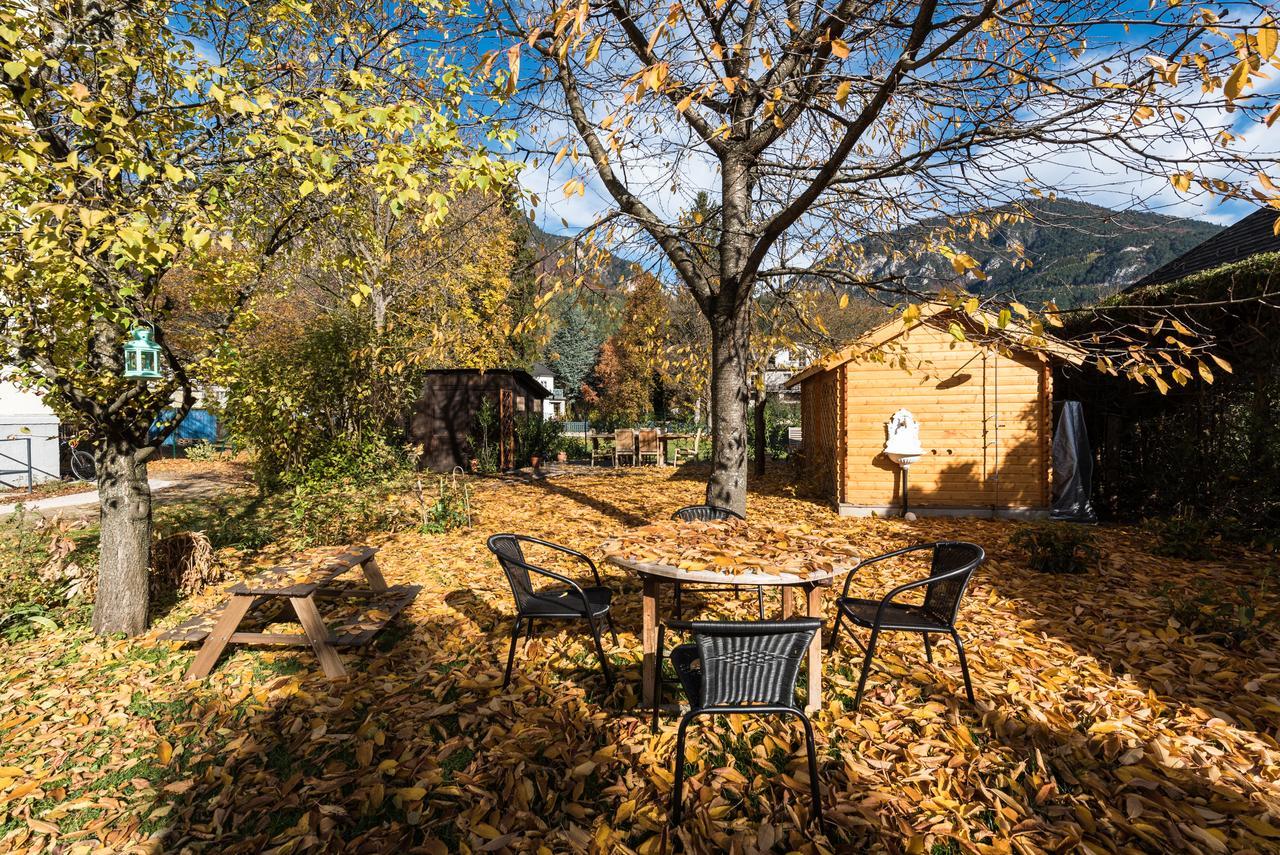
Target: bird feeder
column 142, row 355
column 903, row 447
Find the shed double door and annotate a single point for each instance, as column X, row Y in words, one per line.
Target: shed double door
column 1014, row 431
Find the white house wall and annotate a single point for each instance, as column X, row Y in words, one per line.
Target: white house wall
column 26, row 420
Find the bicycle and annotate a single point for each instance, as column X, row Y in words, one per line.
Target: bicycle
column 81, row 460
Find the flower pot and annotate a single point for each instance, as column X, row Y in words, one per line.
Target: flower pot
column 535, row 461
column 475, row 464
column 562, row 457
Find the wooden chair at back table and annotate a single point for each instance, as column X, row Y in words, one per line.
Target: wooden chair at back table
column 650, row 445
column 599, row 451
column 624, row 445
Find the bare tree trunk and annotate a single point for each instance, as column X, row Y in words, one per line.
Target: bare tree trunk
column 730, row 340
column 125, row 559
column 762, row 440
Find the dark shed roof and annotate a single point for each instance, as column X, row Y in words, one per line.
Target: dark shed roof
column 1250, row 236
column 524, row 378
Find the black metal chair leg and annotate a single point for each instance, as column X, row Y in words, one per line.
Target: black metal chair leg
column 612, row 629
column 604, row 660
column 677, row 789
column 657, row 682
column 760, row 600
column 528, row 635
column 815, row 791
column 928, row 651
column 866, row 668
column 964, row 665
column 679, row 612
column 835, row 629
column 511, row 653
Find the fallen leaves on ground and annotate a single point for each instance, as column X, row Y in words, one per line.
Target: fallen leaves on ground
column 1100, row 726
column 736, row 547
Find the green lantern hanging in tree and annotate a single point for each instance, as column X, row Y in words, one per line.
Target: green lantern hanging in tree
column 142, row 355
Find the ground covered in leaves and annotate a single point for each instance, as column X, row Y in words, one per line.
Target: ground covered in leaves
column 1102, row 724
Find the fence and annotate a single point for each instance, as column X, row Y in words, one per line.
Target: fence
column 26, row 468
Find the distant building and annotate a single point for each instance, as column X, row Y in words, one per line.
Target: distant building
column 779, row 369
column 28, row 437
column 555, row 406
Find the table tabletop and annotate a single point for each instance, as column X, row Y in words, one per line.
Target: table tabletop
column 732, row 552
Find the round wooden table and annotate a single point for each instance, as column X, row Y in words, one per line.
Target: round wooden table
column 812, row 583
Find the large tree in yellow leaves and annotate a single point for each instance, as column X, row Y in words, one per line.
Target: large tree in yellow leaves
column 373, row 297
column 812, row 126
column 139, row 139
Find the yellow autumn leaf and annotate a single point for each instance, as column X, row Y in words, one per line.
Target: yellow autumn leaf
column 842, row 92
column 1236, row 81
column 593, row 50
column 1267, row 37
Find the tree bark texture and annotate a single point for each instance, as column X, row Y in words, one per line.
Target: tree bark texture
column 730, row 343
column 762, row 439
column 124, row 563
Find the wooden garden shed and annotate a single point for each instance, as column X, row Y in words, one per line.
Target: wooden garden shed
column 443, row 418
column 983, row 400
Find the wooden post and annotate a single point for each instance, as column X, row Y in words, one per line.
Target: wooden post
column 318, row 635
column 649, row 639
column 373, row 574
column 813, row 597
column 788, row 602
column 232, row 613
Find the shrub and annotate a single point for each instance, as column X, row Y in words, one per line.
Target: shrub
column 536, row 436
column 36, row 580
column 451, row 508
column 202, row 450
column 1224, row 617
column 348, row 492
column 1056, row 547
column 574, row 448
column 1183, row 536
column 483, row 438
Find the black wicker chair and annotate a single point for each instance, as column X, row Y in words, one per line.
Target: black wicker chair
column 707, row 513
column 560, row 603
column 953, row 563
column 745, row 667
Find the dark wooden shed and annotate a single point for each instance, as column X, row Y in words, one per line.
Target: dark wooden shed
column 443, row 417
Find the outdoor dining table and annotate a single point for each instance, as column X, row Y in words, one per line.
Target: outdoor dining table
column 596, row 437
column 702, row 547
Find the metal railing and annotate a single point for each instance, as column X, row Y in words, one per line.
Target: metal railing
column 27, row 468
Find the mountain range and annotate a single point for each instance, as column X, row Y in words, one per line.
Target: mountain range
column 1078, row 252
column 1072, row 253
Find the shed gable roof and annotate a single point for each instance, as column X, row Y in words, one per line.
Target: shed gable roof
column 524, row 378
column 933, row 315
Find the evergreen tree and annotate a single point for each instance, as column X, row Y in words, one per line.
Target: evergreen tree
column 573, row 350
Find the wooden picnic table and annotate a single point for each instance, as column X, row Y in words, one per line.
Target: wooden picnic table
column 300, row 584
column 701, row 548
column 663, row 437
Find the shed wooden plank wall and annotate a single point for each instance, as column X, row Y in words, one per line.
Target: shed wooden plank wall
column 983, row 424
column 820, row 417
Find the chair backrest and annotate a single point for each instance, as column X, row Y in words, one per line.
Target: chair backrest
column 624, row 439
column 751, row 662
column 648, row 440
column 705, row 513
column 511, row 558
column 942, row 599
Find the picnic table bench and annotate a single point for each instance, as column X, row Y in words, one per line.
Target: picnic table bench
column 363, row 611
